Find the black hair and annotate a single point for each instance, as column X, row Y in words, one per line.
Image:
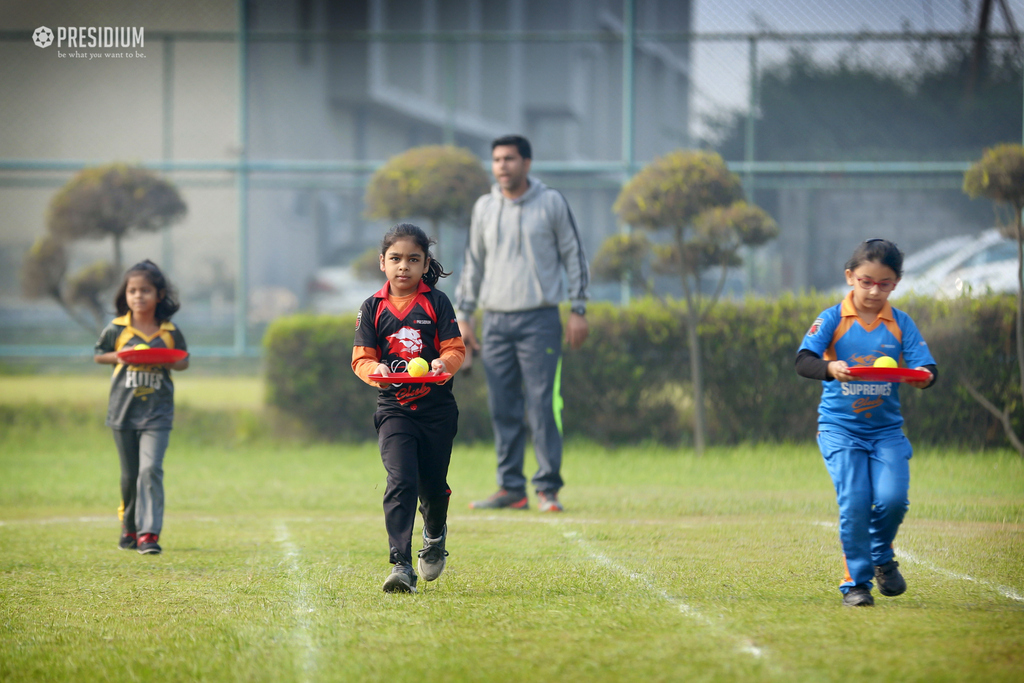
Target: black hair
column 167, row 306
column 408, row 231
column 521, row 143
column 877, row 250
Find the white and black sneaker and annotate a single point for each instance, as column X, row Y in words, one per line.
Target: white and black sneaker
column 402, row 579
column 431, row 558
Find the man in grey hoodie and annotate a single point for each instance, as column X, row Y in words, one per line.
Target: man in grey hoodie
column 522, row 236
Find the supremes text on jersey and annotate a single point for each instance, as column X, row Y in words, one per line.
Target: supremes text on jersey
column 867, row 389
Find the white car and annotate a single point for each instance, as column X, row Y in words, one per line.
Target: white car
column 992, row 269
column 978, row 262
column 917, row 265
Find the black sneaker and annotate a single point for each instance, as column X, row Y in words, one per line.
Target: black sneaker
column 890, row 581
column 129, row 541
column 859, row 596
column 431, row 558
column 504, row 498
column 148, row 544
column 401, row 580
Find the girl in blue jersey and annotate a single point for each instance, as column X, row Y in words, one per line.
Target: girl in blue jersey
column 416, row 423
column 859, row 423
column 141, row 410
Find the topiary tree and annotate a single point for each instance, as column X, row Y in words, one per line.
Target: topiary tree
column 625, row 258
column 438, row 182
column 694, row 196
column 366, row 266
column 105, row 201
column 999, row 176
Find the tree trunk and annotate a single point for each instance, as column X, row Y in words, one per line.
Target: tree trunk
column 696, row 376
column 1020, row 295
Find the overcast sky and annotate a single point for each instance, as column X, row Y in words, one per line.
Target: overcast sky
column 721, row 69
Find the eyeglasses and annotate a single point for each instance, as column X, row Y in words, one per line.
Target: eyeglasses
column 883, row 285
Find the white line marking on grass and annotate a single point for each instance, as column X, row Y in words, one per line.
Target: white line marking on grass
column 906, row 554
column 1005, row 591
column 60, row 520
column 302, row 609
column 746, row 646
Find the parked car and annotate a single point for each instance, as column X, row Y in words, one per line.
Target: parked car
column 917, row 264
column 977, row 262
column 991, row 269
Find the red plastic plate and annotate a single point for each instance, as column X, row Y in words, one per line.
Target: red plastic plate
column 404, row 378
column 890, row 374
column 155, row 356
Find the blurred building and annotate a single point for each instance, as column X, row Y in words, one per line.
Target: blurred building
column 371, row 85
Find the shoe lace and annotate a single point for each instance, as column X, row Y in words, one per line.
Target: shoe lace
column 148, row 538
column 432, row 552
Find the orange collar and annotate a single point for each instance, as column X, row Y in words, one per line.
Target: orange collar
column 848, row 309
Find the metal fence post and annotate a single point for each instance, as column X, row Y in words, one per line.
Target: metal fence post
column 242, row 179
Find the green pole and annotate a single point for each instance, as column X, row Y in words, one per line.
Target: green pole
column 166, row 246
column 449, row 93
column 748, row 152
column 242, row 179
column 628, row 95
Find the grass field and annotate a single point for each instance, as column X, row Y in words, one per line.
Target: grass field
column 664, row 567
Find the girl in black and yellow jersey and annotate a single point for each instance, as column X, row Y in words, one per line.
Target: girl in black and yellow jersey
column 141, row 408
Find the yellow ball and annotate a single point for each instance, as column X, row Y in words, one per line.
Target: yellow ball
column 140, row 347
column 418, row 367
column 886, row 362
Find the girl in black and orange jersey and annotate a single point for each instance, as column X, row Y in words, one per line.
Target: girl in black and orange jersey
column 416, row 423
column 141, row 410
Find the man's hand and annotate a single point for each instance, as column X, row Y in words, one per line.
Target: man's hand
column 576, row 331
column 468, row 331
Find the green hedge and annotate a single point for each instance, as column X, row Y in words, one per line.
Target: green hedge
column 630, row 381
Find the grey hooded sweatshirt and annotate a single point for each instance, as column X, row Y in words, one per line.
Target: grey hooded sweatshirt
column 517, row 251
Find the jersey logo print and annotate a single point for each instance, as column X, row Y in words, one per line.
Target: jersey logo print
column 815, row 326
column 862, row 405
column 406, row 343
column 863, row 361
column 410, row 392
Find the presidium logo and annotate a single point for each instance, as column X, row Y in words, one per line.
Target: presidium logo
column 105, row 37
column 42, row 37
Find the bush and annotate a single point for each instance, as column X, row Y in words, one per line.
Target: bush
column 309, row 376
column 630, row 382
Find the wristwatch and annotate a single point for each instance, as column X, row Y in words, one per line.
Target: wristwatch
column 579, row 309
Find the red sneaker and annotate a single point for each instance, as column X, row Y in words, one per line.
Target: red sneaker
column 504, row 498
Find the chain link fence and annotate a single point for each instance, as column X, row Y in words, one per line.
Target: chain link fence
column 272, row 133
